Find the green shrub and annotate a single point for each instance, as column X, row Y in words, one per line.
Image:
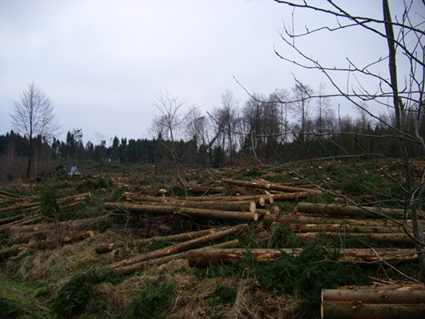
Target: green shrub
column 73, row 295
column 152, row 301
column 49, row 206
column 316, row 268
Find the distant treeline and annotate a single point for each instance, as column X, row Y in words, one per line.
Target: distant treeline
column 282, row 127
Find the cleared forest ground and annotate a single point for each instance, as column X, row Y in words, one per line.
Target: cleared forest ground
column 119, row 241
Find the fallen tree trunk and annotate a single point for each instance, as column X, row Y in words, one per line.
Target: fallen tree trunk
column 394, row 238
column 81, row 236
column 194, row 212
column 247, row 206
column 271, row 186
column 5, row 254
column 128, row 270
column 107, row 247
column 19, row 207
column 360, row 212
column 259, row 200
column 42, row 235
column 375, row 296
column 9, row 194
column 11, row 219
column 289, row 196
column 307, row 228
column 201, row 189
column 356, row 309
column 300, row 219
column 21, row 222
column 349, row 255
column 36, row 205
column 77, row 224
column 179, row 247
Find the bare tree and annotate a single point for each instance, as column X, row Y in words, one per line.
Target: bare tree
column 302, row 97
column 169, row 124
column 33, row 117
column 405, row 40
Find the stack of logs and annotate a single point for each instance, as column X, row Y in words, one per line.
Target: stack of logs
column 44, row 235
column 307, row 222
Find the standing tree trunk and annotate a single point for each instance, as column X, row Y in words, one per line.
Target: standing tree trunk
column 399, row 111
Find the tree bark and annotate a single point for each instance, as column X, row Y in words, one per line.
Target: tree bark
column 179, row 247
column 266, row 185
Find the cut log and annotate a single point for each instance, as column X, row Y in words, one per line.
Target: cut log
column 11, row 219
column 179, row 247
column 375, row 296
column 360, row 212
column 21, row 222
column 25, row 239
column 128, row 270
column 230, row 256
column 193, row 212
column 214, row 256
column 300, row 219
column 201, row 189
column 81, row 236
column 77, row 224
column 5, row 254
column 394, row 238
column 259, row 200
column 262, row 212
column 289, row 196
column 20, row 207
column 266, row 185
column 356, row 309
column 247, row 206
column 306, row 228
column 107, row 247
column 9, row 194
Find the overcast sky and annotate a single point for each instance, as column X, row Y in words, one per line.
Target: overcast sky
column 100, row 62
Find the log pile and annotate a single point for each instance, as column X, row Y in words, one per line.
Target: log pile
column 26, row 230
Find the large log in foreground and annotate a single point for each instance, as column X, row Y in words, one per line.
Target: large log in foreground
column 193, row 212
column 356, row 310
column 375, row 296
